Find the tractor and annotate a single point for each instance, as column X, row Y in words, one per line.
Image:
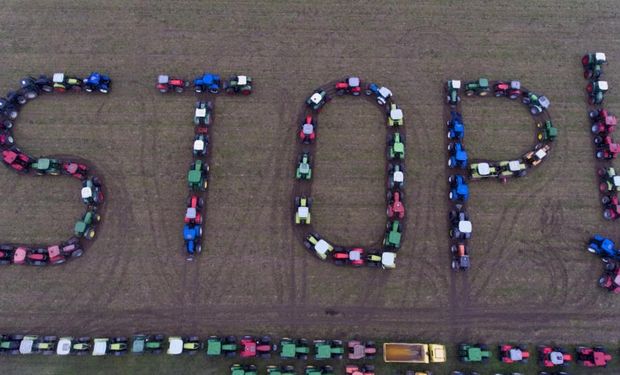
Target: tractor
column 217, row 346
column 550, row 356
column 382, row 94
column 9, row 344
column 393, row 234
column 603, row 247
column 396, row 176
column 328, row 349
column 547, row 132
column 536, row 103
column 32, row 87
column 479, row 87
column 45, row 345
column 207, row 82
column 5, row 124
column 459, row 190
column 603, row 123
column 198, row 175
column 511, row 168
column 513, row 353
column 611, row 207
column 315, row 242
column 593, row 65
column 396, row 146
column 6, row 254
column 73, row 169
column 34, row 257
column 63, row 83
column 10, row 106
column 474, row 353
column 453, row 87
column 69, row 345
column 510, row 89
column 187, row 344
column 354, row 257
column 202, row 114
column 55, row 255
column 6, row 138
column 70, row 248
column 97, row 82
column 360, row 370
column 395, row 115
column 256, row 347
column 294, row 349
column 483, row 170
column 315, row 370
column 460, row 226
column 85, row 227
column 192, row 234
column 104, row 346
column 166, row 83
column 536, row 156
column 596, row 92
column 606, row 147
column 460, row 256
column 383, row 259
column 318, row 99
column 609, row 180
column 17, row 160
column 238, row 369
column 193, row 213
column 304, row 167
column 395, row 207
column 350, row 85
column 153, row 344
column 361, row 349
column 456, row 128
column 238, row 85
column 302, row 210
column 610, row 280
column 592, row 356
column 306, row 130
column 201, row 142
column 281, row 370
column 457, row 155
column 44, row 166
column 91, row 193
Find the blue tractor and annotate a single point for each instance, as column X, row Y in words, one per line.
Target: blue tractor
column 97, row 82
column 192, row 234
column 208, row 82
column 456, row 128
column 458, row 155
column 603, row 247
column 459, row 190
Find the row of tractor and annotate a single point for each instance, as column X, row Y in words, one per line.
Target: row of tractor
column 17, row 160
column 465, row 170
column 384, row 257
column 198, row 173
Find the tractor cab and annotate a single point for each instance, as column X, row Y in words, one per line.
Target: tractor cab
column 100, row 346
column 317, row 99
column 395, row 117
column 388, row 260
column 200, row 145
column 393, row 234
column 64, row 346
column 465, row 226
column 307, row 128
column 201, row 113
column 26, row 345
column 322, row 247
column 482, row 170
column 398, row 176
column 175, row 346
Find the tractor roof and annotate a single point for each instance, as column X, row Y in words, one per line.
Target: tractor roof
column 201, row 112
column 199, row 145
column 557, row 358
column 385, row 92
column 540, row 154
column 316, row 98
column 307, row 128
column 322, row 247
column 288, row 349
column 354, row 81
column 516, row 85
column 399, row 176
column 603, row 86
column 388, row 259
column 616, row 181
column 465, row 226
column 396, row 114
column 163, row 79
column 515, row 165
column 242, row 80
column 484, row 169
column 86, row 192
column 194, row 176
column 355, row 254
column 175, row 345
column 100, row 346
column 515, row 354
column 214, row 347
column 190, row 213
column 600, row 56
column 303, row 212
column 58, row 77
column 64, row 346
column 455, row 83
column 394, row 237
column 25, row 347
column 483, row 82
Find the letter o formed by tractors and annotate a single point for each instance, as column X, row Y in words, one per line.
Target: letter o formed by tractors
column 92, row 191
column 356, row 256
column 462, row 169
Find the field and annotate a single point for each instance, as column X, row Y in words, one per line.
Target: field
column 531, row 279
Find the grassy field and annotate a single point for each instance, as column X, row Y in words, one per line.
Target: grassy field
column 531, row 278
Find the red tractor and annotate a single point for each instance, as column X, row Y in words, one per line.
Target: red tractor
column 361, row 349
column 354, row 257
column 6, row 254
column 510, row 89
column 6, row 138
column 360, row 370
column 553, row 356
column 35, row 257
column 351, row 86
column 460, row 257
column 395, row 207
column 193, row 214
column 252, row 347
column 610, row 279
column 607, row 149
column 513, row 354
column 611, row 207
column 166, row 83
column 593, row 357
column 306, row 131
column 17, row 160
column 77, row 170
column 603, row 122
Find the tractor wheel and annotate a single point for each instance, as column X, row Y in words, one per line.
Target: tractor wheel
column 90, row 234
column 589, row 88
column 13, row 114
column 47, row 88
column 593, row 114
column 606, row 260
column 469, row 92
column 450, row 146
column 454, row 265
column 499, row 93
column 598, row 140
column 587, row 74
column 450, row 163
column 200, row 231
column 60, row 261
column 606, row 199
column 453, row 249
column 602, row 281
column 77, row 253
column 591, row 100
column 450, row 195
column 607, row 214
column 178, row 89
column 340, row 92
column 483, row 93
column 534, row 110
column 514, row 95
column 594, row 129
column 31, row 95
column 198, row 249
column 163, row 91
column 599, row 155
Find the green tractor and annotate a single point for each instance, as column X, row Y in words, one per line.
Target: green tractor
column 281, row 370
column 328, row 349
column 217, row 346
column 474, row 353
column 294, row 349
column 479, row 87
column 315, row 370
column 453, row 97
column 548, row 132
column 304, row 168
column 393, row 234
column 197, row 176
column 151, row 344
column 44, row 166
column 85, row 227
column 396, row 146
column 238, row 369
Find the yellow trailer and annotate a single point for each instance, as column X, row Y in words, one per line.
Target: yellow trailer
column 413, row 353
